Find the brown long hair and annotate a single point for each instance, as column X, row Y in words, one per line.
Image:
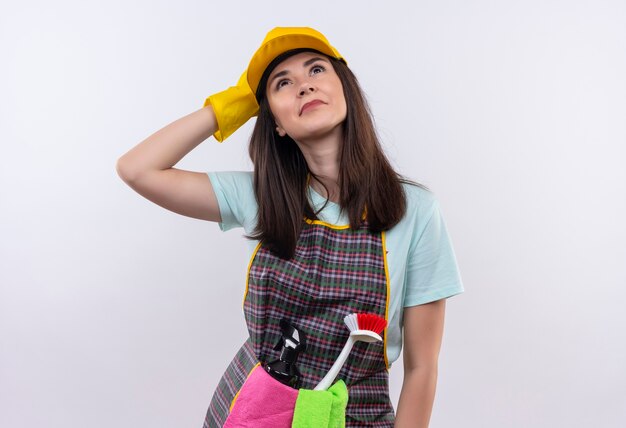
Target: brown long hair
column 367, row 182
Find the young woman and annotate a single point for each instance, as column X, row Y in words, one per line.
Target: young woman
column 333, row 229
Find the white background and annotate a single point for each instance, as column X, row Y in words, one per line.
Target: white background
column 115, row 312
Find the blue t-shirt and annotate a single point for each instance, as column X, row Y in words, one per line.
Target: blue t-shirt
column 420, row 258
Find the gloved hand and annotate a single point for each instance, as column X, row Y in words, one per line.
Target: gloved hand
column 233, row 107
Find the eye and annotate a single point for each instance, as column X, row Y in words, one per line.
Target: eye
column 279, row 84
column 317, row 67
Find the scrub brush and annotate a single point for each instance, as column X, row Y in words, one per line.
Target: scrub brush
column 364, row 328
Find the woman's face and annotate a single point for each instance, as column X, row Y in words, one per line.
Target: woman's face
column 306, row 97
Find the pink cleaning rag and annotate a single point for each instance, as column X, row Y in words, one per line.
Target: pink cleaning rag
column 263, row 402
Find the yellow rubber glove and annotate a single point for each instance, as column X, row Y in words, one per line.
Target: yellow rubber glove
column 233, row 107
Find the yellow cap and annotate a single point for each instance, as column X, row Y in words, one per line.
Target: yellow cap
column 283, row 39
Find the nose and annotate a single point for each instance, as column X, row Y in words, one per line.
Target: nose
column 306, row 87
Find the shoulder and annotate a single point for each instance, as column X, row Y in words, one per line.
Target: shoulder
column 421, row 205
column 234, row 187
column 234, row 191
column 420, row 201
column 233, row 183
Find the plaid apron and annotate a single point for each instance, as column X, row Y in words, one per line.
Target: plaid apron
column 335, row 271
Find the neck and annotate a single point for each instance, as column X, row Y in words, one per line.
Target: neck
column 322, row 158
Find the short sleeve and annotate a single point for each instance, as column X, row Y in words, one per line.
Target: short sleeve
column 432, row 271
column 235, row 197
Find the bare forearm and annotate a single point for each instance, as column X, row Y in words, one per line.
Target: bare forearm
column 416, row 398
column 166, row 147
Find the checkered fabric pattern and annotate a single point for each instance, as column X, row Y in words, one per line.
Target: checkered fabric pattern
column 335, row 271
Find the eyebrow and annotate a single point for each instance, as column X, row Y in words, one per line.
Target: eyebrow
column 306, row 64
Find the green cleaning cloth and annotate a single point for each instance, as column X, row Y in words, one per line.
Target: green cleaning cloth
column 321, row 409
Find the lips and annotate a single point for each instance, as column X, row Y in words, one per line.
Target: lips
column 309, row 105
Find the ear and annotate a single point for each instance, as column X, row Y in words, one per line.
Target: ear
column 280, row 131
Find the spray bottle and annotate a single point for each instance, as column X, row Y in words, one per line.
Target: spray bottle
column 290, row 344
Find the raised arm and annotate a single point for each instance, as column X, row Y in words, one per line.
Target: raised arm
column 148, row 167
